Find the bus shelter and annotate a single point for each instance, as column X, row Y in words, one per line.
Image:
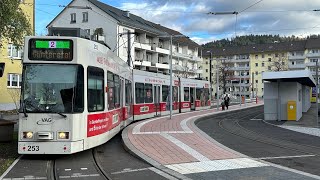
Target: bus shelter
column 287, row 94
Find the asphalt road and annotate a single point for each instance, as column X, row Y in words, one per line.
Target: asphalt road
column 254, row 138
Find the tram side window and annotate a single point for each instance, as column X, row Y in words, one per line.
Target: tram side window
column 128, row 93
column 175, row 94
column 117, row 91
column 165, row 93
column 148, row 93
column 139, row 93
column 111, row 91
column 206, row 96
column 95, row 89
column 198, row 93
column 186, row 94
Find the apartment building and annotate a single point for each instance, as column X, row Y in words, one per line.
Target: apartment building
column 247, row 63
column 11, row 65
column 148, row 43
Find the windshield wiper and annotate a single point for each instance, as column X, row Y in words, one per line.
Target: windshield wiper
column 63, row 115
column 24, row 108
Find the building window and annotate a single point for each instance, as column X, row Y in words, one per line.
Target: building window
column 262, row 55
column 87, row 31
column 206, row 78
column 256, row 56
column 262, row 64
column 257, row 81
column 206, row 62
column 269, row 68
column 269, row 59
column 257, row 73
column 256, row 64
column 276, row 55
column 14, row 81
column 2, row 65
column 206, row 70
column 85, row 17
column 73, row 18
column 14, row 52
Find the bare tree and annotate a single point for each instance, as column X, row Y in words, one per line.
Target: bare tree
column 279, row 62
column 225, row 73
column 15, row 96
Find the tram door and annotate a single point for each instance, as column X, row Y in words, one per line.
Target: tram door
column 193, row 98
column 156, row 98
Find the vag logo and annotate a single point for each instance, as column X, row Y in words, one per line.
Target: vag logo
column 45, row 121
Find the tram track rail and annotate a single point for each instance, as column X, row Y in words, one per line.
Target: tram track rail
column 237, row 129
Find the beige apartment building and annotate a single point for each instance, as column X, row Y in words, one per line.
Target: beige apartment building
column 246, row 64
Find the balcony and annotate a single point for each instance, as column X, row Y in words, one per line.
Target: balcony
column 137, row 63
column 180, row 55
column 199, row 71
column 177, row 67
column 163, row 51
column 296, row 57
column 242, row 77
column 162, row 66
column 311, row 55
column 142, row 46
column 240, row 68
column 146, row 63
column 196, row 58
column 238, row 60
column 297, row 66
column 310, row 64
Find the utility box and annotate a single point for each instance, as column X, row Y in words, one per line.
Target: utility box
column 292, row 110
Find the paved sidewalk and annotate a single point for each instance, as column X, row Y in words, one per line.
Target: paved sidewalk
column 178, row 147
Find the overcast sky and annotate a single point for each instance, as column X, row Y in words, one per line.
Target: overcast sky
column 191, row 18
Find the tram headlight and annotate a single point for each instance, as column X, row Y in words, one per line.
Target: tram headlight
column 63, row 135
column 28, row 135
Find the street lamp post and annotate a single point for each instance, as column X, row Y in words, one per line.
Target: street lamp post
column 210, row 78
column 171, row 37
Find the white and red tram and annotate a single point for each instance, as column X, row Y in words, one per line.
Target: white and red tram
column 151, row 94
column 76, row 94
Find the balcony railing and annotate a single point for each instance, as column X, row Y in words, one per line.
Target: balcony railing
column 313, row 55
column 163, row 51
column 296, row 57
column 142, row 46
column 162, row 66
column 297, row 66
column 240, row 68
column 185, row 56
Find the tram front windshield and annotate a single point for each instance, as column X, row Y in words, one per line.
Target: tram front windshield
column 52, row 88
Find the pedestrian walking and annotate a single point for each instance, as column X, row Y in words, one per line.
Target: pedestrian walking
column 223, row 104
column 227, row 101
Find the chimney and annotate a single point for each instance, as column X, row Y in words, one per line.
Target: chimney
column 127, row 14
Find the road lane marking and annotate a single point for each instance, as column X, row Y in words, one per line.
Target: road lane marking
column 127, row 170
column 186, row 148
column 67, row 169
column 9, row 169
column 285, row 157
column 215, row 165
column 84, row 169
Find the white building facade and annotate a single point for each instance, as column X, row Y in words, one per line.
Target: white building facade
column 149, row 43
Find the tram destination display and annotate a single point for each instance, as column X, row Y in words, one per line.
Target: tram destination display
column 50, row 49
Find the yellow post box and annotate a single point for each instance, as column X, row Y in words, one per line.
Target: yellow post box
column 292, row 110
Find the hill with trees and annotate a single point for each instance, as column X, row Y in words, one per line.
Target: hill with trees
column 253, row 39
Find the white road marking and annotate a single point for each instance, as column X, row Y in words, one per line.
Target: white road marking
column 293, row 170
column 67, row 169
column 24, row 178
column 256, row 119
column 9, row 169
column 216, row 165
column 285, row 157
column 186, row 148
column 79, row 175
column 127, row 170
column 84, row 169
column 163, row 174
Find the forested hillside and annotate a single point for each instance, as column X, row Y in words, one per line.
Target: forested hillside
column 253, row 39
